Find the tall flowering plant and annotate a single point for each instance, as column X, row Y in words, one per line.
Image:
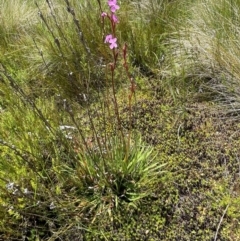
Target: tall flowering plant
column 112, row 41
column 117, row 167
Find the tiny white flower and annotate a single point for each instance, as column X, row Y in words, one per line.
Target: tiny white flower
column 52, row 206
column 15, row 191
column 65, row 127
column 10, row 185
column 26, row 191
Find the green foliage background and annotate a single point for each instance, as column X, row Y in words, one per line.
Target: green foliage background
column 67, row 173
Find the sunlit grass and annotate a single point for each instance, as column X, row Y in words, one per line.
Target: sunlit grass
column 213, row 38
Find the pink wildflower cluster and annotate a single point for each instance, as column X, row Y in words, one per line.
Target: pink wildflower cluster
column 113, row 5
column 110, row 39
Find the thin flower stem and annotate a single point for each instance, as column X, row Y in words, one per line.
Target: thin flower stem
column 115, row 102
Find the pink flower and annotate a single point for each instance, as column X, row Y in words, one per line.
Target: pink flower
column 114, row 8
column 112, row 2
column 108, row 38
column 113, row 5
column 114, row 18
column 113, row 43
column 104, row 14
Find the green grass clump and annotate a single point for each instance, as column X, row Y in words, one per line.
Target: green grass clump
column 212, row 41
